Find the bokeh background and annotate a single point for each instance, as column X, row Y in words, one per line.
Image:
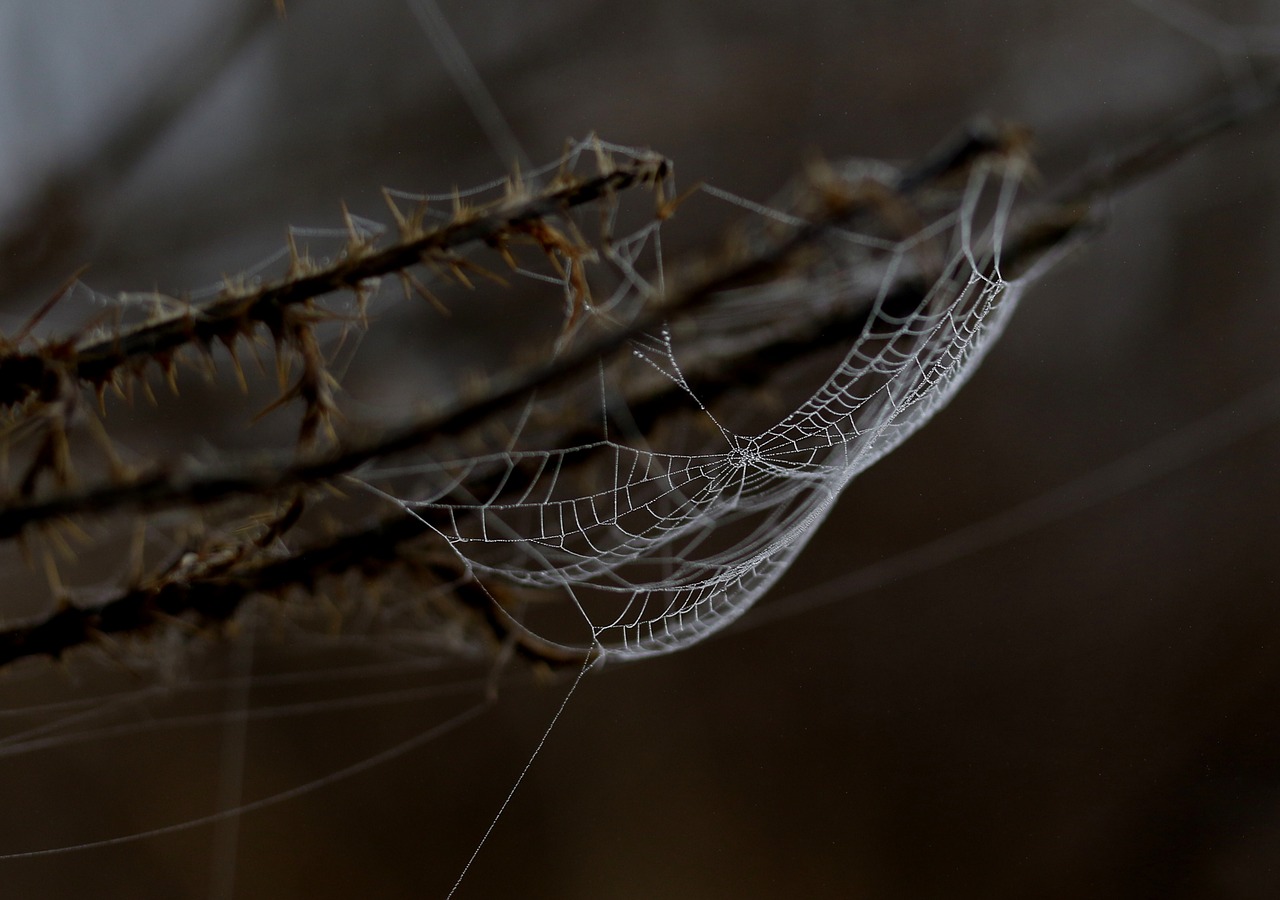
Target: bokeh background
column 1079, row 699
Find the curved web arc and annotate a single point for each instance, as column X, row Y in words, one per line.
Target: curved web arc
column 668, row 547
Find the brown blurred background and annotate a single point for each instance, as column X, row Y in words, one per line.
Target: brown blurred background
column 1086, row 707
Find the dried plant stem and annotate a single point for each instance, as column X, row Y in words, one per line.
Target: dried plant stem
column 40, row 373
column 212, row 594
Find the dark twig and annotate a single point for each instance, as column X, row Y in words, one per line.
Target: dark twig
column 238, row 310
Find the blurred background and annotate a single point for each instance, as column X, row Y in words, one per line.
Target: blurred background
column 1078, row 698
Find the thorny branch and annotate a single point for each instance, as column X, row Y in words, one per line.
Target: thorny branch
column 240, row 309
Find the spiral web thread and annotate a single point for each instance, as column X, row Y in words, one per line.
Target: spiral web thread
column 665, row 548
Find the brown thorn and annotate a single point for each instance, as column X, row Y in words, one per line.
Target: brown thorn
column 565, row 173
column 283, row 364
column 56, row 544
column 362, row 304
column 504, row 251
column 471, row 266
column 45, row 308
column 355, row 241
column 255, row 348
column 455, row 269
column 515, row 184
column 61, row 598
column 75, row 533
column 232, row 286
column 604, row 161
column 119, row 471
column 411, row 281
column 209, row 364
column 666, row 209
column 170, row 369
column 297, row 264
column 236, row 367
column 396, row 215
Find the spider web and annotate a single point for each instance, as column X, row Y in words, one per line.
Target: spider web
column 659, row 540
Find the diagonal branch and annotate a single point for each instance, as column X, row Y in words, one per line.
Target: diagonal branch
column 238, row 310
column 205, row 598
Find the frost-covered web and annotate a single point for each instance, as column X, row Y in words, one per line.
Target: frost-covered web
column 656, row 548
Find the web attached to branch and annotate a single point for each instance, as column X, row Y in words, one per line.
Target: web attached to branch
column 660, row 534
